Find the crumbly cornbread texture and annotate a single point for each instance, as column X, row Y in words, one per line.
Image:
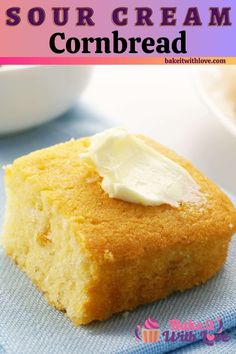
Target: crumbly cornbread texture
column 93, row 256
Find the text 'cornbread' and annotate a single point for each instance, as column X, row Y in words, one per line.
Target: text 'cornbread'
column 93, row 255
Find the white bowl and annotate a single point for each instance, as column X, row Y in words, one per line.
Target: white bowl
column 217, row 87
column 31, row 95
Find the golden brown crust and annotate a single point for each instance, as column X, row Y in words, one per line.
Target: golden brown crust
column 137, row 254
column 124, row 230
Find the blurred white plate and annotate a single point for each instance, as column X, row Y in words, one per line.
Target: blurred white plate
column 217, row 87
column 31, row 95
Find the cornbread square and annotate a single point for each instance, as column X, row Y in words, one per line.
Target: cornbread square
column 93, row 256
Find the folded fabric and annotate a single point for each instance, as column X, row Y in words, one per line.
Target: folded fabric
column 200, row 348
column 28, row 325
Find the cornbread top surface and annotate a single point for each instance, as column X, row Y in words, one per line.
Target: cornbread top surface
column 114, row 230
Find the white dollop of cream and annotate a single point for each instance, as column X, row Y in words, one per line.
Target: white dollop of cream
column 135, row 172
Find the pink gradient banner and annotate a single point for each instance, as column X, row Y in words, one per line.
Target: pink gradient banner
column 26, row 28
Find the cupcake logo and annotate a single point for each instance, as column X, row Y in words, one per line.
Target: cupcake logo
column 210, row 330
column 149, row 332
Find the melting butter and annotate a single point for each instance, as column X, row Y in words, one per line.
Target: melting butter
column 135, row 172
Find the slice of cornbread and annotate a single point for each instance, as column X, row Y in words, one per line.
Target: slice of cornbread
column 93, row 256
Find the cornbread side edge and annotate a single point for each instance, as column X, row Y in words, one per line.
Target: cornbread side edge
column 93, row 256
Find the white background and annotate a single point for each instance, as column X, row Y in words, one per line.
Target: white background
column 163, row 102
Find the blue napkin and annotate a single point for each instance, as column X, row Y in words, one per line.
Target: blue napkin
column 28, row 325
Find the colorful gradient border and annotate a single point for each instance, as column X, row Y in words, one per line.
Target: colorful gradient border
column 26, row 44
column 116, row 61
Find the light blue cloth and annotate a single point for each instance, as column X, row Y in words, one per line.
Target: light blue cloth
column 28, row 325
column 2, row 351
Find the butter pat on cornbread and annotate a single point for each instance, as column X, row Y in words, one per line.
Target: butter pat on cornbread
column 92, row 255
